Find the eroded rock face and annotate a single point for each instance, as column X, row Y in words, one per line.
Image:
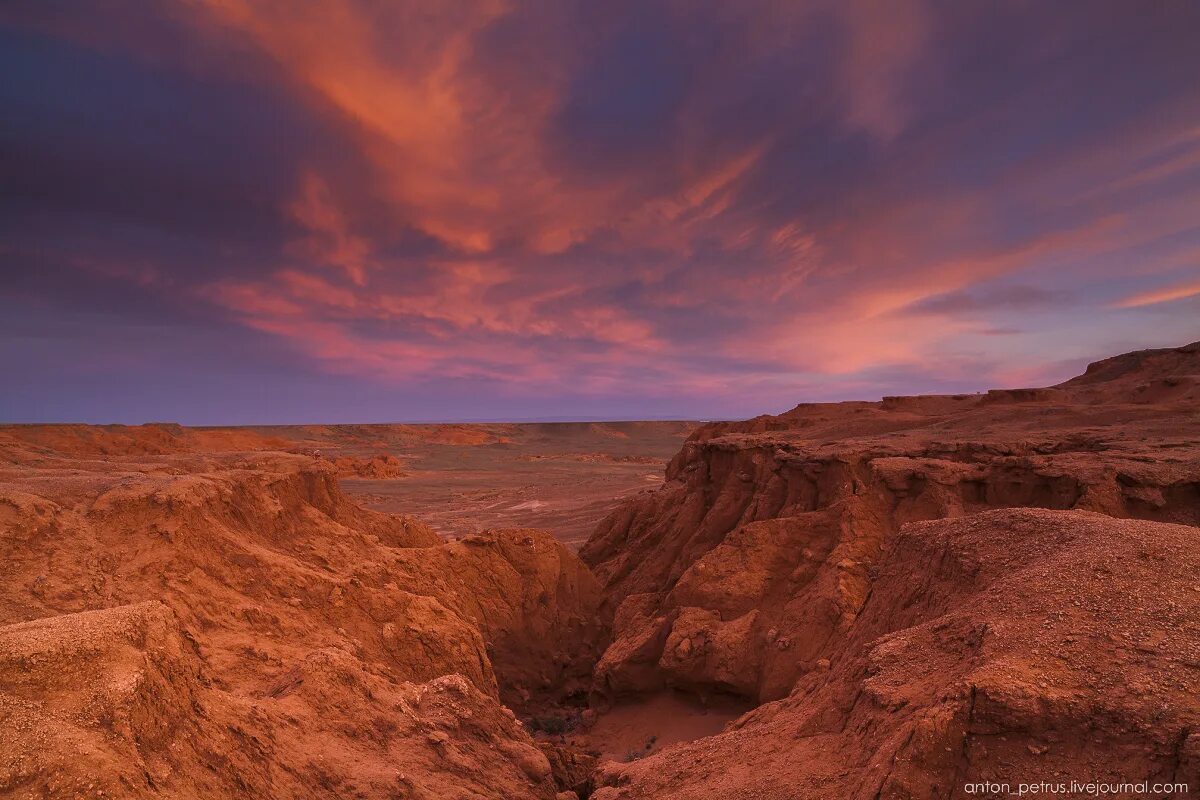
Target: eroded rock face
column 758, row 553
column 232, row 623
column 118, row 703
column 1011, row 645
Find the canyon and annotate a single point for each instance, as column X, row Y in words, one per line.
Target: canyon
column 893, row 599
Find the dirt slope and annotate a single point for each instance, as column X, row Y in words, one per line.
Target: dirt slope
column 261, row 636
column 1013, row 645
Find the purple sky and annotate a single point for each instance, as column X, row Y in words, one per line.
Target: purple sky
column 252, row 211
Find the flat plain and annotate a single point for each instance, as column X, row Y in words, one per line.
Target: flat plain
column 460, row 479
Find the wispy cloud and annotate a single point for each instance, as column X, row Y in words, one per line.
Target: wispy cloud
column 627, row 200
column 1166, row 294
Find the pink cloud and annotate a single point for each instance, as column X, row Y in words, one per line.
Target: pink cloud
column 886, row 39
column 461, row 233
column 331, row 241
column 1166, row 294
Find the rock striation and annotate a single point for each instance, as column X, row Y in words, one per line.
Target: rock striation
column 923, row 593
column 759, row 549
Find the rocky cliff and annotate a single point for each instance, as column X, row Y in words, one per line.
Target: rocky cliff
column 854, row 568
column 1007, row 647
column 758, row 554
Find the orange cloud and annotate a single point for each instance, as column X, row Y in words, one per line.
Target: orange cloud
column 694, row 253
column 452, row 149
column 460, row 152
column 1165, row 295
column 331, row 241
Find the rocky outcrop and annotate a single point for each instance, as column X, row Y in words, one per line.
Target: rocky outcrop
column 298, row 645
column 377, row 467
column 119, row 703
column 105, row 702
column 759, row 550
column 1008, row 646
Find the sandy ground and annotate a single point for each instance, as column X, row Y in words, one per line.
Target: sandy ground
column 560, row 477
column 634, row 730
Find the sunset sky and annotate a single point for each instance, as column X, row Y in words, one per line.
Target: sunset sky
column 243, row 211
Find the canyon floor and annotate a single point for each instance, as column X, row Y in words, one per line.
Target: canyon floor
column 922, row 597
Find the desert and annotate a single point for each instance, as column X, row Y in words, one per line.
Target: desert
column 599, row 400
column 893, row 599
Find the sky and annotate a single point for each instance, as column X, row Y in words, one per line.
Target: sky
column 283, row 211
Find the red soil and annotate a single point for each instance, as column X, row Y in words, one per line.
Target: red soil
column 785, row 560
column 913, row 597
